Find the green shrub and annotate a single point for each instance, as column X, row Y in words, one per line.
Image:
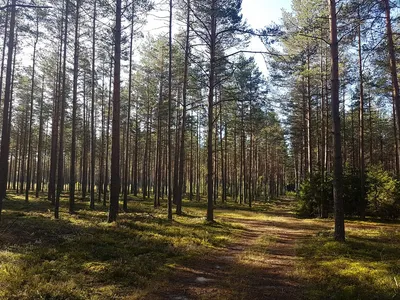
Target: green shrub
column 351, row 192
column 314, row 196
column 383, row 196
column 382, row 193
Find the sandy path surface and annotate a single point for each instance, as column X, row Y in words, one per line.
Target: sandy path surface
column 246, row 269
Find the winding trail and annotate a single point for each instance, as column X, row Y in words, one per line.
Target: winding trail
column 260, row 264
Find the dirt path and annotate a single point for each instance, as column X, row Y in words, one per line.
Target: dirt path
column 260, row 265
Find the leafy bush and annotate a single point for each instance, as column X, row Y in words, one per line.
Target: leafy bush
column 382, row 193
column 314, row 196
column 351, row 192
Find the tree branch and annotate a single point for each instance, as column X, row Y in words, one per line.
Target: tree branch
column 24, row 6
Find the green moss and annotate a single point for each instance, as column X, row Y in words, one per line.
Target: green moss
column 81, row 256
column 365, row 267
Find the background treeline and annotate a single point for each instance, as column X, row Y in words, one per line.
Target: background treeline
column 368, row 97
column 92, row 108
column 190, row 111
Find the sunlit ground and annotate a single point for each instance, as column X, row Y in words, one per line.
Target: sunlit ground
column 81, row 256
column 367, row 266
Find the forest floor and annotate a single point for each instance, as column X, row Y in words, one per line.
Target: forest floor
column 265, row 252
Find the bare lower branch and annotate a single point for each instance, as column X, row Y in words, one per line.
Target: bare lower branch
column 24, row 6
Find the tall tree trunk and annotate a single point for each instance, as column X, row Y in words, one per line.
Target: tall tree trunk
column 72, row 174
column 24, row 149
column 3, row 53
column 308, row 118
column 211, row 86
column 361, row 125
column 170, row 114
column 191, row 169
column 5, row 132
column 324, row 204
column 60, row 174
column 184, row 100
column 128, row 123
column 29, row 163
column 175, row 176
column 108, row 136
column 338, row 168
column 93, row 132
column 397, row 161
column 159, row 152
column 392, row 61
column 12, row 84
column 55, row 123
column 135, row 156
column 115, row 152
column 39, row 168
column 101, row 163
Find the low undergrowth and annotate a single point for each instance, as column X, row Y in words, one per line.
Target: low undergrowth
column 81, row 256
column 366, row 266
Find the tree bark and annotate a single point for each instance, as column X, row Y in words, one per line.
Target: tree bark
column 339, row 234
column 211, row 86
column 72, row 174
column 60, row 173
column 128, row 124
column 170, row 115
column 39, row 168
column 115, row 152
column 93, row 132
column 392, row 61
column 184, row 100
column 361, row 125
column 5, row 132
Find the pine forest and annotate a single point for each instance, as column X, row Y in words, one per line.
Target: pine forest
column 199, row 149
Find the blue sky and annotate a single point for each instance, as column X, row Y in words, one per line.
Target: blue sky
column 258, row 14
column 262, row 12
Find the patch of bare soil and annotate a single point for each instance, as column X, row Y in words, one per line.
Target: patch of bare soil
column 230, row 273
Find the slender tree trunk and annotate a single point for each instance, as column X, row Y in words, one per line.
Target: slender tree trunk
column 170, row 115
column 191, row 170
column 93, row 132
column 198, row 159
column 308, row 119
column 24, row 149
column 175, row 176
column 324, row 204
column 17, row 150
column 5, row 132
column 55, row 124
column 235, row 171
column 184, row 100
column 85, row 142
column 338, row 168
column 72, row 174
column 3, row 54
column 135, row 156
column 397, row 167
column 361, row 126
column 60, row 174
column 392, row 61
column 12, row 84
column 128, row 124
column 159, row 153
column 39, row 175
column 115, row 152
column 108, row 137
column 101, row 163
column 29, row 163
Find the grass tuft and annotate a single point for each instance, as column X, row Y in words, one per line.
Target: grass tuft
column 81, row 256
column 366, row 266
